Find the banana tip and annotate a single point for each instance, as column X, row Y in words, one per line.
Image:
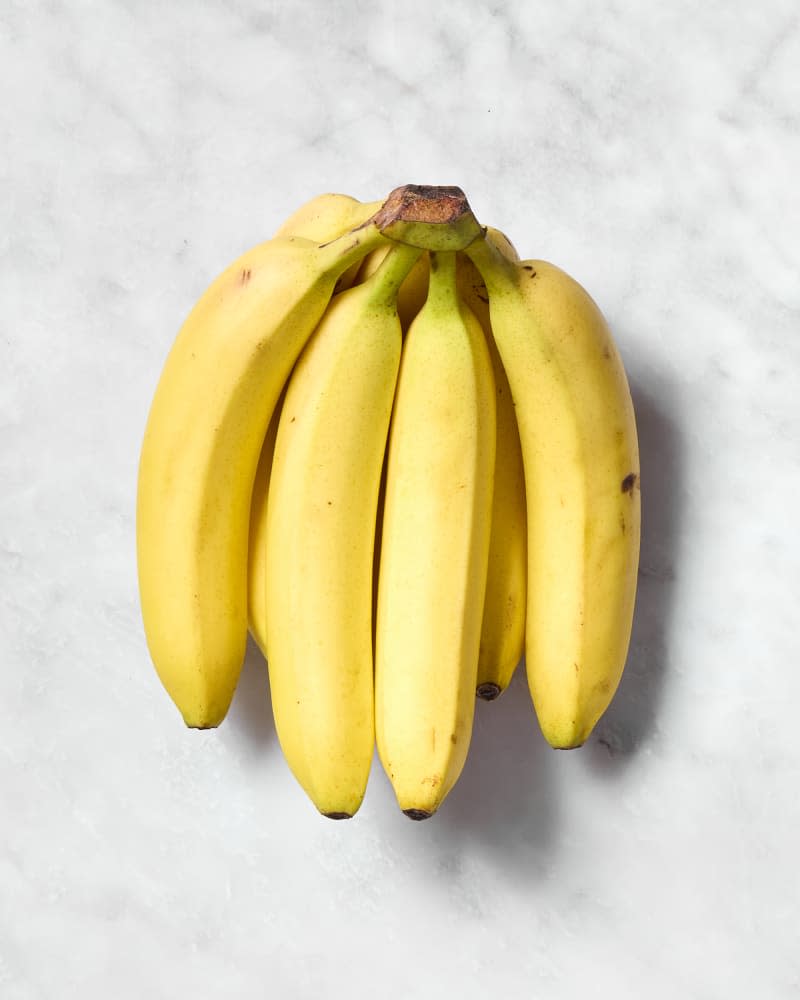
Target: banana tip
column 418, row 814
column 338, row 815
column 488, row 691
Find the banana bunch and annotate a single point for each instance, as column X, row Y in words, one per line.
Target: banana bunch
column 401, row 457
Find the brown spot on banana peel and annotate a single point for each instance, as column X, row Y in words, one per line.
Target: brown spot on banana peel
column 629, row 482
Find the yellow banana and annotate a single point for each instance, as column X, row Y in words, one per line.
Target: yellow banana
column 204, row 433
column 435, row 544
column 321, row 511
column 580, row 453
column 503, row 632
column 503, row 628
column 321, row 219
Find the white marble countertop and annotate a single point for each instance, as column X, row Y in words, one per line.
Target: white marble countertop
column 651, row 150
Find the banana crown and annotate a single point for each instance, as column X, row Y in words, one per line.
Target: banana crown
column 401, row 457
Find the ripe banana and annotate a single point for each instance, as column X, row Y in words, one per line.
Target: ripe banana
column 503, row 631
column 503, row 628
column 204, row 433
column 321, row 511
column 435, row 544
column 580, row 453
column 321, row 219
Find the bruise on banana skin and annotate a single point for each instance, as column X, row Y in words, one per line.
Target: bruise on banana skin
column 629, row 482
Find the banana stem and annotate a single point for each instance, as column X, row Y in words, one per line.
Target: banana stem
column 442, row 283
column 392, row 272
column 432, row 218
column 340, row 254
column 498, row 272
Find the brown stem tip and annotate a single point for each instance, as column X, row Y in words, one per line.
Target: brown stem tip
column 428, row 217
column 338, row 815
column 488, row 691
column 417, row 814
column 423, row 203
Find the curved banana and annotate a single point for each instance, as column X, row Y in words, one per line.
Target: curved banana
column 503, row 628
column 204, row 433
column 435, row 544
column 321, row 511
column 503, row 631
column 321, row 219
column 580, row 452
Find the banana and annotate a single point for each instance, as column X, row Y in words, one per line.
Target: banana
column 201, row 446
column 434, row 547
column 321, row 219
column 580, row 454
column 503, row 628
column 321, row 512
column 503, row 632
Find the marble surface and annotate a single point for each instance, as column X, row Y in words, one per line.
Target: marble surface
column 652, row 150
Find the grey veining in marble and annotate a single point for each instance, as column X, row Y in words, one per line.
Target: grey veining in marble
column 651, row 150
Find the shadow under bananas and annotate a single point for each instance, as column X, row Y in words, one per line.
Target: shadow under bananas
column 632, row 718
column 506, row 796
column 250, row 714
